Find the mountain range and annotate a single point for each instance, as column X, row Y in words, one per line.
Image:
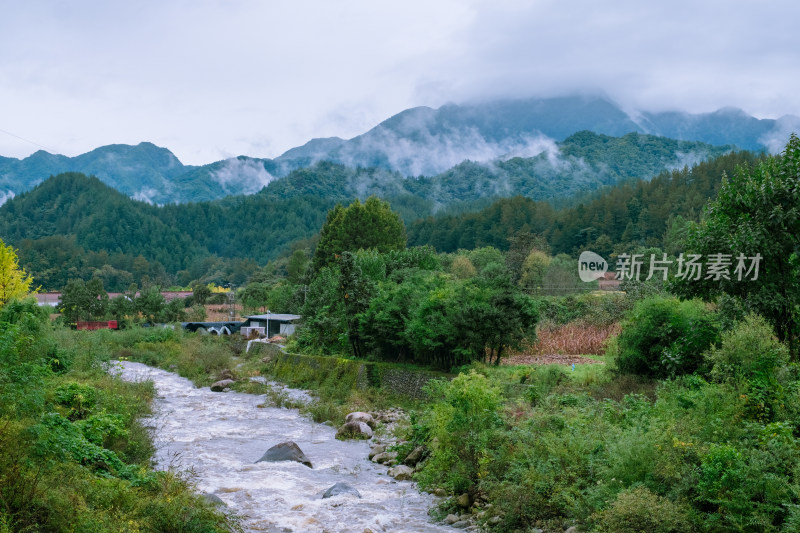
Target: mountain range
column 416, row 142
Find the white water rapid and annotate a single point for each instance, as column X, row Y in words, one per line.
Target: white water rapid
column 220, row 436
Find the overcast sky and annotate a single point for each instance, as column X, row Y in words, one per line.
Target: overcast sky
column 214, row 79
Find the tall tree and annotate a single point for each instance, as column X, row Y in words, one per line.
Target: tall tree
column 755, row 222
column 14, row 281
column 359, row 226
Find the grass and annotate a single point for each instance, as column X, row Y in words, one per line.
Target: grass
column 73, row 454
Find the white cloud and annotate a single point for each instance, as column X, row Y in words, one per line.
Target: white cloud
column 242, row 175
column 214, row 79
column 147, row 194
column 6, row 196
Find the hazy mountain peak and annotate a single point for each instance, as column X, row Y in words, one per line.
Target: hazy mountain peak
column 420, row 141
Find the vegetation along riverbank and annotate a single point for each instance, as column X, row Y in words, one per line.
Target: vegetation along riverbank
column 534, row 401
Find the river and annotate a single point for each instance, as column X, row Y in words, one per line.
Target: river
column 219, row 436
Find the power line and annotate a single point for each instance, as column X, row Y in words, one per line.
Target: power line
column 27, row 140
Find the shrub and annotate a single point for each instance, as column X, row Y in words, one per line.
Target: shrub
column 750, row 357
column 663, row 337
column 638, row 510
column 463, row 426
column 749, row 350
column 79, row 398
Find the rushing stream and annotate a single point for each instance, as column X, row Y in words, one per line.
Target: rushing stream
column 220, row 436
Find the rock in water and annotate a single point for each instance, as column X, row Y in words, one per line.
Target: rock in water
column 354, row 430
column 213, row 499
column 377, row 449
column 358, row 416
column 384, row 458
column 401, row 473
column 340, row 488
column 222, row 384
column 286, row 451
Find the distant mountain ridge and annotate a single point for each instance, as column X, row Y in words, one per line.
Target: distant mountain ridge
column 416, row 142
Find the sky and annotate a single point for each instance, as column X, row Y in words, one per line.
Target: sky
column 215, row 79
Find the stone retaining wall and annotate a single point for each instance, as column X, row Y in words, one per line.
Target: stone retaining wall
column 408, row 382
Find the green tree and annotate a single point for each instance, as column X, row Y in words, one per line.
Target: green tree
column 151, row 303
column 372, row 224
column 756, row 214
column 256, row 295
column 298, row 262
column 462, row 267
column 201, row 293
column 355, row 290
column 82, row 300
column 533, row 270
column 14, row 281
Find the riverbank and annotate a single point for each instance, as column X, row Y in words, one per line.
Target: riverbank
column 74, row 455
column 551, row 448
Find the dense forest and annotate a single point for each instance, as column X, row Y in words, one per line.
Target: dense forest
column 637, row 212
column 74, row 226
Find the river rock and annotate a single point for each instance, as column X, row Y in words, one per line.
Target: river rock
column 222, row 384
column 401, row 473
column 461, row 524
column 463, row 500
column 354, row 430
column 340, row 488
column 414, row 457
column 385, row 457
column 377, row 449
column 440, row 493
column 285, row 451
column 451, row 519
column 358, row 416
column 225, row 374
column 213, row 499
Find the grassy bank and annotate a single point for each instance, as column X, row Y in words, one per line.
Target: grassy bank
column 73, row 454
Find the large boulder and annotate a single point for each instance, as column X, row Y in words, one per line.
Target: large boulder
column 285, row 451
column 354, row 430
column 222, row 384
column 358, row 416
column 415, row 456
column 401, row 472
column 340, row 488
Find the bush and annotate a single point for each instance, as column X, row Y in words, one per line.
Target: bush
column 749, row 350
column 749, row 358
column 663, row 337
column 463, row 426
column 638, row 510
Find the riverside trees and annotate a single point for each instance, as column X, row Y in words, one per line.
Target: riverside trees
column 371, row 296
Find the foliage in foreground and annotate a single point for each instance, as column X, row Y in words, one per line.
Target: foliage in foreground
column 73, row 456
column 714, row 451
